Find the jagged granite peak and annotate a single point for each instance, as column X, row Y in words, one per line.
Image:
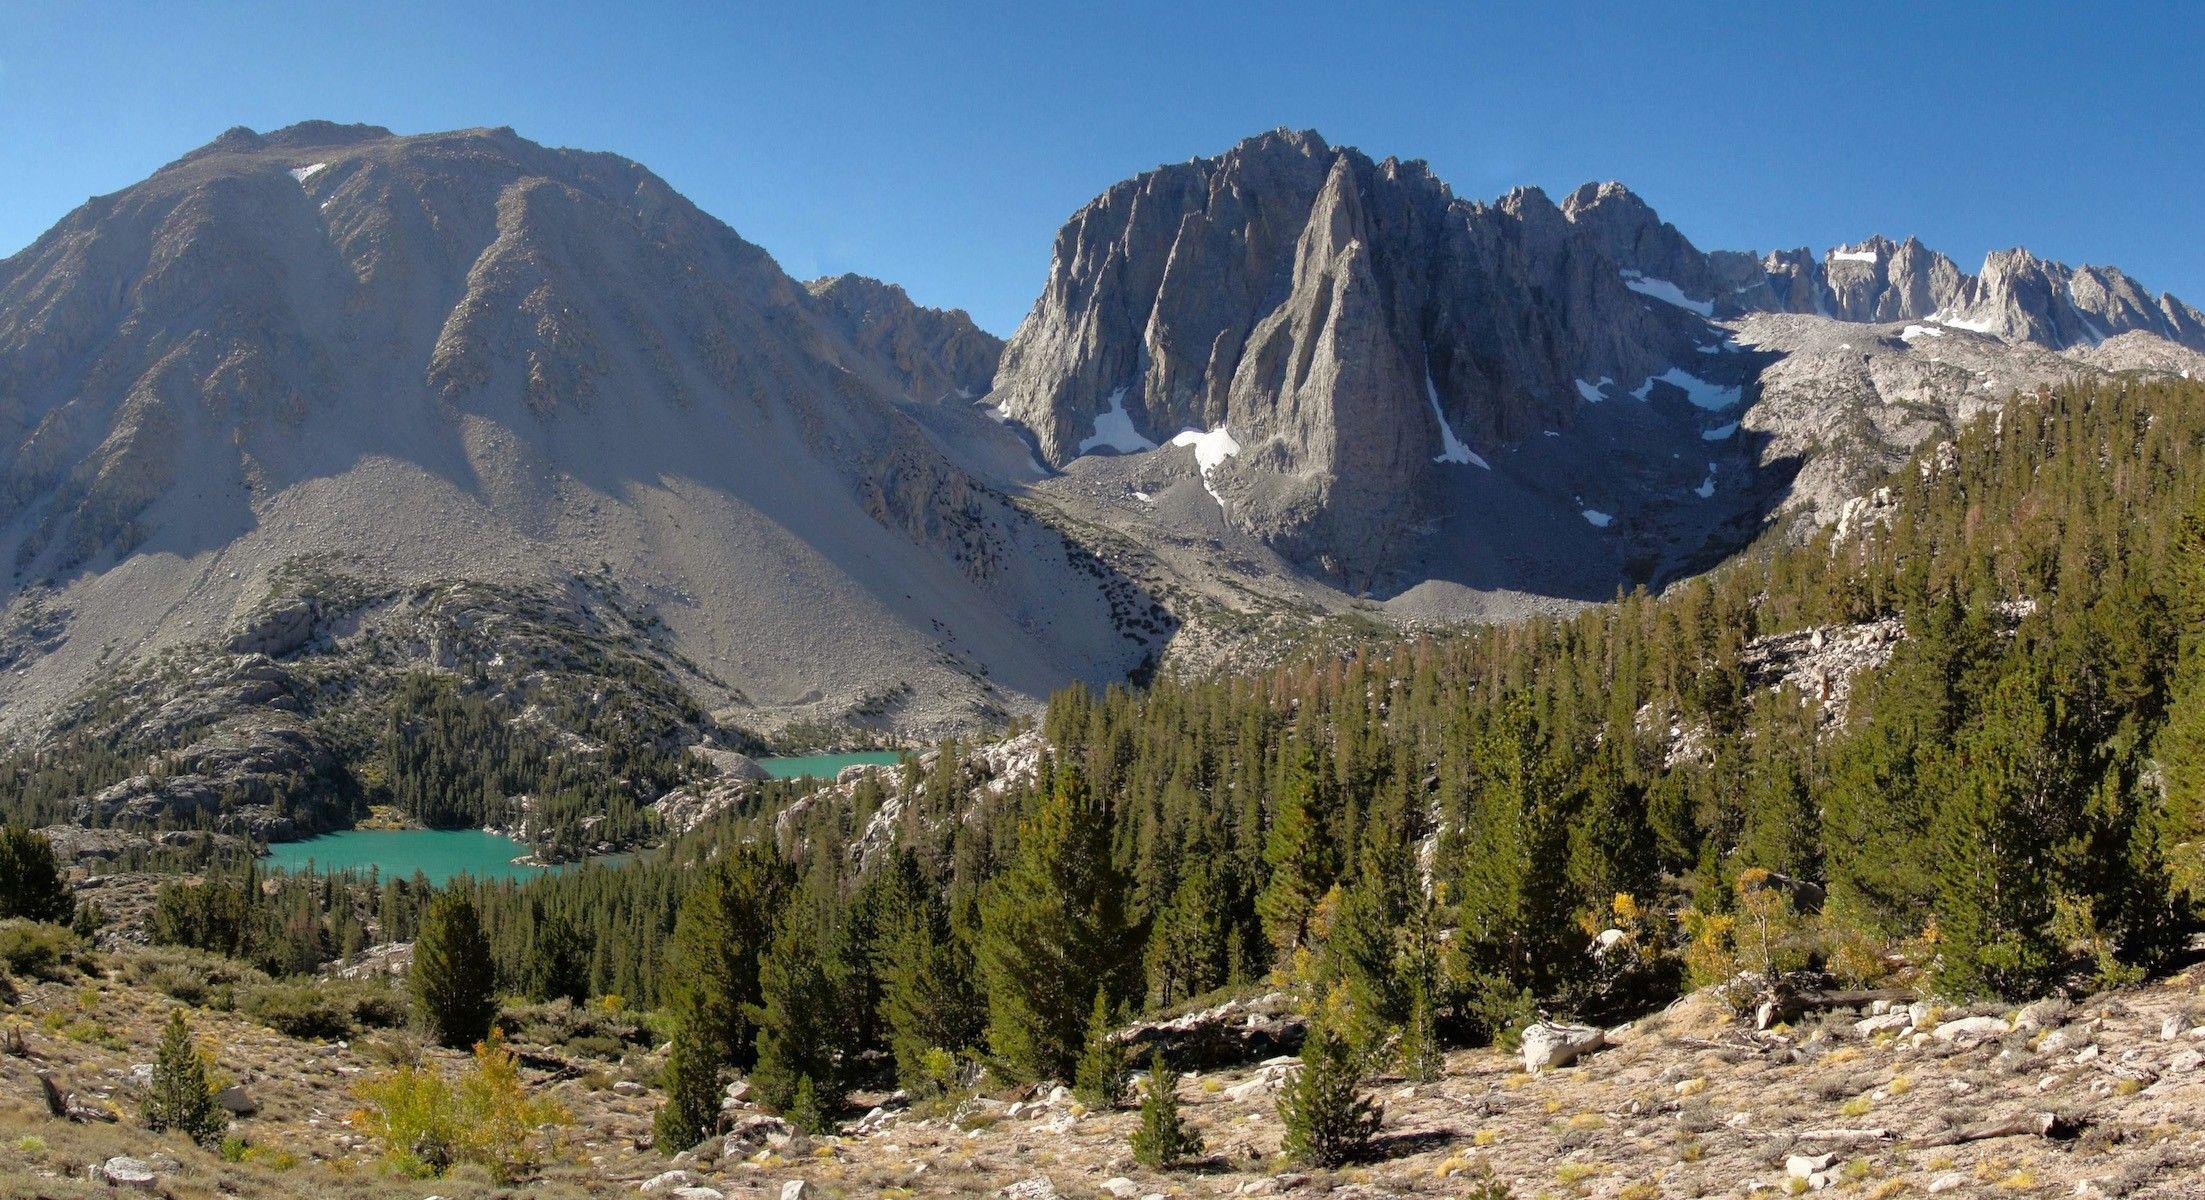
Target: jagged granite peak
column 936, row 353
column 467, row 356
column 1354, row 328
column 1882, row 280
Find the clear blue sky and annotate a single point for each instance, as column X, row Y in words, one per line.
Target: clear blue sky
column 941, row 146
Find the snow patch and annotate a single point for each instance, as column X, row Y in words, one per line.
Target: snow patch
column 302, row 174
column 1711, row 396
column 1595, row 518
column 1667, row 293
column 1114, row 430
column 1972, row 325
column 1717, row 435
column 1451, row 448
column 1866, row 256
column 1912, row 332
column 1706, row 490
column 1591, row 391
column 1210, row 449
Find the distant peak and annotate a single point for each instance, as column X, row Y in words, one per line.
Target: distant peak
column 324, row 133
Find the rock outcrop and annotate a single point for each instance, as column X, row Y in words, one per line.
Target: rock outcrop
column 937, row 354
column 1331, row 334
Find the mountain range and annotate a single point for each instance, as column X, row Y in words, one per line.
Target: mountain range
column 327, row 405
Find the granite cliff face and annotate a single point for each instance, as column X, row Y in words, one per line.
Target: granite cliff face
column 1345, row 346
column 1353, row 329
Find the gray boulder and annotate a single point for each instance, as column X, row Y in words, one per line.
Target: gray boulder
column 1547, row 1045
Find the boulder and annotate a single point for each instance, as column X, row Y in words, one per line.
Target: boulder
column 1804, row 1166
column 796, row 1189
column 1971, row 1029
column 2049, row 1013
column 1121, row 1187
column 1037, row 1188
column 237, row 1102
column 697, row 1193
column 1547, row 1045
column 628, row 1087
column 1892, row 1021
column 124, row 1172
column 669, row 1181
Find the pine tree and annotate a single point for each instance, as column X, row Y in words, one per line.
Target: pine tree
column 1516, row 903
column 692, row 1082
column 1103, row 1075
column 558, row 962
column 1300, row 851
column 452, row 976
column 927, row 999
column 1052, row 928
column 181, row 1097
column 1328, row 1123
column 1189, row 945
column 1163, row 1138
column 804, row 1110
column 2014, row 798
column 798, row 1016
column 725, row 922
column 30, row 877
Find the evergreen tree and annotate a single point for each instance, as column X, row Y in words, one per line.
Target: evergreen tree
column 725, row 922
column 2014, row 795
column 181, row 1097
column 1190, row 946
column 452, row 975
column 798, row 1017
column 1163, row 1139
column 804, row 1110
column 1516, row 904
column 30, row 877
column 558, row 964
column 1052, row 927
column 927, row 1000
column 1103, row 1075
column 692, row 1082
column 1328, row 1123
column 1300, row 851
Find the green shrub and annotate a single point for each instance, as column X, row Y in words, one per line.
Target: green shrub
column 484, row 1120
column 40, row 951
column 337, row 1008
column 195, row 977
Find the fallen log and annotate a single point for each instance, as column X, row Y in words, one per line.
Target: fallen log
column 1849, row 1137
column 1853, row 998
column 2036, row 1124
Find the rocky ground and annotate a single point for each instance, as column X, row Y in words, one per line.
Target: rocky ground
column 2100, row 1098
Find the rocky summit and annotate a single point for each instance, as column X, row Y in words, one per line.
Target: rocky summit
column 1471, row 408
column 464, row 358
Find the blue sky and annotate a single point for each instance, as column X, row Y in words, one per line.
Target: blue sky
column 941, row 146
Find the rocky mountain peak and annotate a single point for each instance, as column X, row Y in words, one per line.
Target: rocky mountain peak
column 936, row 353
column 465, row 355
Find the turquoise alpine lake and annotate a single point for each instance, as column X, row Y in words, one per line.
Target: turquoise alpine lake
column 825, row 766
column 442, row 853
column 437, row 853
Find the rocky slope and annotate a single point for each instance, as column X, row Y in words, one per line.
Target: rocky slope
column 467, row 359
column 1466, row 409
column 2101, row 1098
